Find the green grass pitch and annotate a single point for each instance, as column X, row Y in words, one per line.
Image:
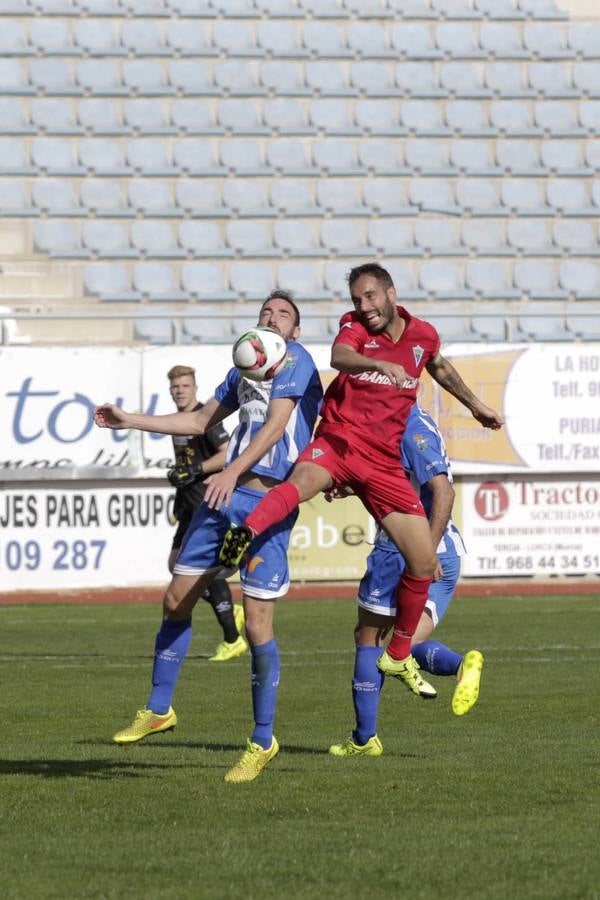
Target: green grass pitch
column 503, row 803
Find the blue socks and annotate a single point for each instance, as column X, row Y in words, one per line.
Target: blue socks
column 367, row 682
column 170, row 648
column 435, row 658
column 265, row 680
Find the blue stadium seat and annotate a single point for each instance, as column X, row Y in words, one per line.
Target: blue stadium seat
column 340, row 197
column 154, row 331
column 196, row 158
column 335, row 157
column 326, row 40
column 538, row 279
column 191, row 77
column 13, row 158
column 557, row 118
column 240, row 117
column 51, row 76
column 146, row 116
column 13, row 79
column 101, row 115
column 486, row 237
column 189, row 38
column 205, row 281
column 246, row 197
column 50, row 36
column 387, row 197
column 108, row 281
column 584, row 39
column 279, row 38
column 107, row 239
column 575, row 236
column 439, row 237
column 513, row 118
column 151, row 198
column 243, row 156
column 550, row 79
column 569, row 197
column 415, row 41
column 251, row 280
column 234, row 38
column 103, row 198
column 332, row 116
column 97, row 37
column 382, row 157
column 581, row 278
column 530, row 237
column 286, row 116
column 422, row 117
column 156, row 281
column 202, row 239
column 214, row 329
column 344, row 237
column 458, row 40
column 490, row 279
column 283, row 78
column 289, row 156
column 149, row 157
column 506, row 79
column 293, row 197
column 533, row 324
column 296, row 238
column 250, row 238
column 100, row 77
column 563, row 157
column 153, row 238
column 433, row 195
column 469, row 118
column 443, row 280
column 56, row 238
column 14, row 200
column 327, row 78
column 238, row 77
column 145, row 77
column 13, row 117
column 519, row 157
column 501, row 40
column 55, row 197
column 418, row 79
column 13, row 40
column 373, row 77
column 524, row 197
column 392, row 237
column 428, row 157
column 479, row 196
column 54, row 157
column 304, row 282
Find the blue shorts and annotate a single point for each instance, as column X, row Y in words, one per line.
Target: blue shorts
column 377, row 588
column 264, row 572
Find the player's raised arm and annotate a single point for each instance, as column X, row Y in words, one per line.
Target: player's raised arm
column 442, row 371
column 108, row 415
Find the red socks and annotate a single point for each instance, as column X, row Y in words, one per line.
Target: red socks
column 278, row 503
column 411, row 596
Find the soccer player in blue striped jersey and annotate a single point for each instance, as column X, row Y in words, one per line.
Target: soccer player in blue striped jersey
column 276, row 421
column 425, row 459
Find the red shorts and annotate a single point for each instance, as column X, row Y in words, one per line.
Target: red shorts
column 378, row 480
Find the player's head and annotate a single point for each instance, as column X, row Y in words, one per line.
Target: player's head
column 182, row 386
column 281, row 313
column 374, row 296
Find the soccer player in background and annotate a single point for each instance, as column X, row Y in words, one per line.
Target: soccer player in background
column 276, row 422
column 196, row 457
column 380, row 352
column 424, row 457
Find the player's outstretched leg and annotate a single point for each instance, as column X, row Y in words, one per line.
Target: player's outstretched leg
column 468, row 678
column 407, row 671
column 146, row 722
column 236, row 542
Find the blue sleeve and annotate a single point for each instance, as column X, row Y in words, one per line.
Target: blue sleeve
column 423, row 452
column 227, row 391
column 296, row 375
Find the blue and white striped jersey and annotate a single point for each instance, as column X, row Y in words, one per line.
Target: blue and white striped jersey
column 424, row 456
column 298, row 380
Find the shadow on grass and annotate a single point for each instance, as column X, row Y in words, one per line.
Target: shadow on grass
column 193, row 745
column 80, row 768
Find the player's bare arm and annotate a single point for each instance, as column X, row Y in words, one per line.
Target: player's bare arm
column 345, row 359
column 108, row 415
column 221, row 486
column 442, row 371
column 441, row 509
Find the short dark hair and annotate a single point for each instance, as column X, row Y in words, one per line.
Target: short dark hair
column 378, row 272
column 280, row 294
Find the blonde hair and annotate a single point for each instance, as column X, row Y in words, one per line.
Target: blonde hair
column 180, row 371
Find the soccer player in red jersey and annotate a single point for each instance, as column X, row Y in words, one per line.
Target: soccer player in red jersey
column 380, row 353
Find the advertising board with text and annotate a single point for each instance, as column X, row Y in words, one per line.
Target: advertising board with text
column 117, row 534
column 549, row 395
column 521, row 526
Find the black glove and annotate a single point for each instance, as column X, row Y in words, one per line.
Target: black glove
column 182, row 476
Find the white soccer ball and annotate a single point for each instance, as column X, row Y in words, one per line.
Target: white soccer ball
column 259, row 354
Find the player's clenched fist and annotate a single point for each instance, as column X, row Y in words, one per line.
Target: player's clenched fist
column 109, row 416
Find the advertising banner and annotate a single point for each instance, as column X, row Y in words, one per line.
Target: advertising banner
column 521, row 526
column 72, row 535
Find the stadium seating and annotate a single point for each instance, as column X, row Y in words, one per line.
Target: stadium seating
column 212, row 150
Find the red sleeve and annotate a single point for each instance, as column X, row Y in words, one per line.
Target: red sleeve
column 351, row 332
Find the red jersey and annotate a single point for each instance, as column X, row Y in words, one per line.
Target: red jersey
column 368, row 408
